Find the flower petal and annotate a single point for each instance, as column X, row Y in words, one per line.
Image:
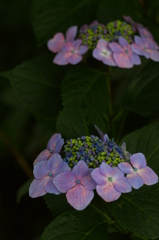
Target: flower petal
column 98, row 177
column 88, row 181
column 64, row 181
column 80, row 170
column 50, row 187
column 135, row 59
column 43, row 156
column 109, row 61
column 82, row 50
column 53, row 141
column 61, row 58
column 135, row 180
column 137, row 49
column 105, row 170
column 123, row 42
column 107, row 192
column 71, row 33
column 122, row 60
column 115, row 47
column 56, row 165
column 122, row 186
column 79, row 197
column 40, row 170
column 76, row 43
column 56, row 43
column 58, row 145
column 74, row 59
column 138, row 160
column 117, row 174
column 148, row 175
column 154, row 55
column 37, row 187
column 125, row 167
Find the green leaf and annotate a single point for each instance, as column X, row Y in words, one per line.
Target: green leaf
column 58, row 15
column 86, row 100
column 57, row 204
column 23, row 190
column 108, row 13
column 145, row 140
column 37, row 85
column 138, row 211
column 83, row 225
column 142, row 95
column 77, row 120
column 88, row 86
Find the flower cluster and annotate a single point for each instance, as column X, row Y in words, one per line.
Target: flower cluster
column 115, row 44
column 89, row 163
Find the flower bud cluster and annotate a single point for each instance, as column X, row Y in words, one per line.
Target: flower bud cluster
column 93, row 151
column 90, row 35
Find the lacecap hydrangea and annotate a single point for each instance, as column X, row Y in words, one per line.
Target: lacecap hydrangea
column 88, row 163
column 118, row 43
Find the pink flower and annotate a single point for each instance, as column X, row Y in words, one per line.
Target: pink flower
column 145, row 47
column 77, row 184
column 57, row 42
column 138, row 174
column 103, row 53
column 134, row 25
column 110, row 182
column 54, row 145
column 44, row 173
column 71, row 52
column 123, row 55
column 144, row 33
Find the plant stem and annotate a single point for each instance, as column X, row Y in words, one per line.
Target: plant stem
column 18, row 156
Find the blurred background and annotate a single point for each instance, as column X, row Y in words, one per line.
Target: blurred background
column 22, row 137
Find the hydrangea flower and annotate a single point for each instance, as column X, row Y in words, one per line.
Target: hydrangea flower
column 134, row 25
column 54, row 145
column 110, row 182
column 103, row 136
column 123, row 55
column 145, row 33
column 44, row 173
column 103, row 53
column 77, row 184
column 71, row 52
column 138, row 174
column 84, row 27
column 56, row 43
column 146, row 48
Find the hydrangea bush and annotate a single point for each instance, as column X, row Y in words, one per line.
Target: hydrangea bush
column 93, row 86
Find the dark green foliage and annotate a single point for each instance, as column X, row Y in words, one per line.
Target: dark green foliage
column 37, row 84
column 50, row 16
column 142, row 94
column 84, row 225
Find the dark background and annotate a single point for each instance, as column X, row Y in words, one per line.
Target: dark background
column 21, row 136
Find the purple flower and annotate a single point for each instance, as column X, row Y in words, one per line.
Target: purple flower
column 146, row 48
column 56, row 43
column 103, row 136
column 144, row 33
column 110, row 182
column 54, row 145
column 70, row 53
column 103, row 53
column 94, row 23
column 78, row 184
column 139, row 174
column 44, row 173
column 134, row 25
column 123, row 55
